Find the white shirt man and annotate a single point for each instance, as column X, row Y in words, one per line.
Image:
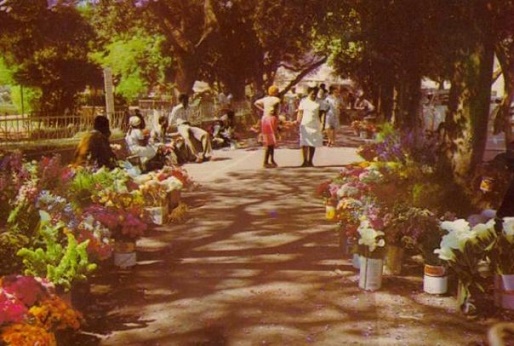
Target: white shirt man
column 179, row 117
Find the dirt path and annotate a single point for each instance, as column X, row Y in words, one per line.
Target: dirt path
column 256, row 264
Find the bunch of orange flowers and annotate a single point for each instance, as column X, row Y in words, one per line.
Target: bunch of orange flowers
column 55, row 314
column 42, row 321
column 27, row 334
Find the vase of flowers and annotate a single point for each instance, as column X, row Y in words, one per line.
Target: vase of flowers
column 466, row 250
column 425, row 234
column 503, row 263
column 126, row 226
column 370, row 248
column 396, row 233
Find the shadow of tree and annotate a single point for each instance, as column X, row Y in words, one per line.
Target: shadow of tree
column 256, row 262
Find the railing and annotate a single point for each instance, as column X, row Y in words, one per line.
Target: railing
column 17, row 130
column 29, row 129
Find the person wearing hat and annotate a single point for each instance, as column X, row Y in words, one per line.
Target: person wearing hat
column 265, row 105
column 94, row 148
column 179, row 118
column 268, row 103
column 137, row 141
column 269, row 131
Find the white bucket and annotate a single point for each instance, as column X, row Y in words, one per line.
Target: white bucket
column 356, row 261
column 125, row 259
column 157, row 214
column 124, row 254
column 370, row 278
column 435, row 280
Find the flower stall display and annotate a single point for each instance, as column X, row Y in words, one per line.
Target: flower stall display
column 466, row 251
column 161, row 191
column 31, row 313
column 364, row 128
column 371, row 252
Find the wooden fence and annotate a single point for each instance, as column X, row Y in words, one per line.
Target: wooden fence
column 17, row 131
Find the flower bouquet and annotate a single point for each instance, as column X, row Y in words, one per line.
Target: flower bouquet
column 126, row 224
column 466, row 251
column 371, row 242
column 32, row 313
column 371, row 250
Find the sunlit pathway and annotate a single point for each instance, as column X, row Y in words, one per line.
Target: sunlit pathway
column 256, row 264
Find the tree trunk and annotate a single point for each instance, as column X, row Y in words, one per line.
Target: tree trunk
column 505, row 56
column 185, row 73
column 468, row 111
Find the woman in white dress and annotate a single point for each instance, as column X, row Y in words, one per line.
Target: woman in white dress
column 309, row 118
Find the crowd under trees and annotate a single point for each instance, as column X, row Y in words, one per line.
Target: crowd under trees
column 58, row 48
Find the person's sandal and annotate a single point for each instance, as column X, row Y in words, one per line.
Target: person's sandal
column 199, row 160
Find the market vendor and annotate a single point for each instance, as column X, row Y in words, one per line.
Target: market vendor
column 94, row 148
column 137, row 142
column 179, row 118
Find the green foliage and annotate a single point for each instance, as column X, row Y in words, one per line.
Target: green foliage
column 61, row 262
column 47, row 49
column 10, row 244
column 137, row 60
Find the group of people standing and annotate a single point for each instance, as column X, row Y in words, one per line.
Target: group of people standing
column 316, row 114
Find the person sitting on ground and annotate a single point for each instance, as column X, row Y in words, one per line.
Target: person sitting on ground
column 94, row 148
column 220, row 134
column 179, row 118
column 138, row 144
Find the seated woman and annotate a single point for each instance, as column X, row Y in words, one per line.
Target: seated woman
column 94, row 148
column 137, row 140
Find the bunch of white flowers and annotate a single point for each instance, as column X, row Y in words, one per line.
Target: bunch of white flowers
column 460, row 233
column 369, row 239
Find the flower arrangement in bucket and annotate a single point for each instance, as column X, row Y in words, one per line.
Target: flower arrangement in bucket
column 503, row 253
column 466, row 251
column 371, row 250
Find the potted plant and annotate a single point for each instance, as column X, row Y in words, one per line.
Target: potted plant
column 126, row 226
column 425, row 234
column 371, row 252
column 396, row 232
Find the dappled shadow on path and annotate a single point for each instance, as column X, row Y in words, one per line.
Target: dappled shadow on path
column 256, row 263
